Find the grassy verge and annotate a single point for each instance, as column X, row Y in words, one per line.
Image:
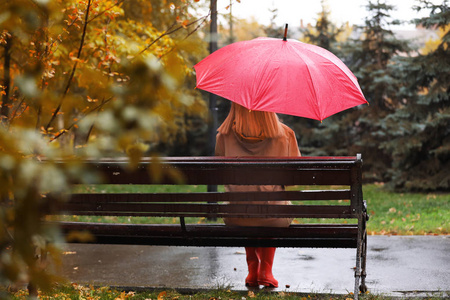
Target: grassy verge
column 390, row 213
column 406, row 213
column 77, row 292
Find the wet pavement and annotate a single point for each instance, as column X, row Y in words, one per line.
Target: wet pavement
column 404, row 266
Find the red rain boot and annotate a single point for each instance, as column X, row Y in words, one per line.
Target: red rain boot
column 265, row 276
column 253, row 266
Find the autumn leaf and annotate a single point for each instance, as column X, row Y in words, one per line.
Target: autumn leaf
column 81, row 236
column 162, row 295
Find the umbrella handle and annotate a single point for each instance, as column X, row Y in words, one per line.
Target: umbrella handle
column 285, row 32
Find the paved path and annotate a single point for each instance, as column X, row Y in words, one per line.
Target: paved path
column 396, row 266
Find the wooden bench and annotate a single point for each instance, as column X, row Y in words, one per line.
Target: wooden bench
column 345, row 202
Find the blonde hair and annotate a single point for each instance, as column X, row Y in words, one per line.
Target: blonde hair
column 248, row 123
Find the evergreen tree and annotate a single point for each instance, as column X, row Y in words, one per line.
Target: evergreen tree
column 418, row 134
column 351, row 132
column 324, row 34
column 371, row 54
column 273, row 30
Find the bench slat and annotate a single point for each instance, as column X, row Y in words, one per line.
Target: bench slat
column 206, row 210
column 250, row 175
column 211, row 230
column 221, row 170
column 301, row 235
column 212, row 196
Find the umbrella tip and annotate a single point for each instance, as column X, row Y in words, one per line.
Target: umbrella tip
column 285, row 32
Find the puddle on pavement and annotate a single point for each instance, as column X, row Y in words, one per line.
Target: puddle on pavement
column 379, row 249
column 306, row 257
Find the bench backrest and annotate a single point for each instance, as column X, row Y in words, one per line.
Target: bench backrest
column 344, row 172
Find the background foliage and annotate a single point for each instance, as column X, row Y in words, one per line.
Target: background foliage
column 86, row 78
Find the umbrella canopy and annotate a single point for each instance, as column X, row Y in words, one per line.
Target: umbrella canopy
column 282, row 76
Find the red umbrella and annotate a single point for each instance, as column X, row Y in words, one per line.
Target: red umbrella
column 282, row 76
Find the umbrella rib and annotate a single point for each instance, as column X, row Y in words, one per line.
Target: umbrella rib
column 337, row 61
column 318, row 112
column 265, row 67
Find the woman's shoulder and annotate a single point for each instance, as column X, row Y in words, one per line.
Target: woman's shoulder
column 287, row 131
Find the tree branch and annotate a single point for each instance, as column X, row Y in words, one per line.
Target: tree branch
column 4, row 111
column 170, row 31
column 76, row 122
column 105, row 10
column 188, row 35
column 13, row 115
column 69, row 81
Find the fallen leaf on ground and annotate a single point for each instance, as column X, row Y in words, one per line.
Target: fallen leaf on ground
column 162, row 295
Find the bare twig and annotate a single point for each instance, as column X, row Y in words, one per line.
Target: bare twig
column 81, row 118
column 13, row 115
column 69, row 81
column 188, row 35
column 170, row 31
column 105, row 10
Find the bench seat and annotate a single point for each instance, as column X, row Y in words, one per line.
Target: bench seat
column 298, row 235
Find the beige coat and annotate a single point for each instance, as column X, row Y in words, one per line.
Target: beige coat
column 233, row 145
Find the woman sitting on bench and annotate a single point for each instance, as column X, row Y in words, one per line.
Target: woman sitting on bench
column 256, row 133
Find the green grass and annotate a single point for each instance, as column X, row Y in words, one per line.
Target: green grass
column 390, row 213
column 77, row 292
column 407, row 213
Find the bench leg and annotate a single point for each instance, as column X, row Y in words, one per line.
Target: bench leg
column 360, row 256
column 363, row 287
column 357, row 271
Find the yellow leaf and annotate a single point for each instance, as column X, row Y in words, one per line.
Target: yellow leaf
column 81, row 236
column 162, row 295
